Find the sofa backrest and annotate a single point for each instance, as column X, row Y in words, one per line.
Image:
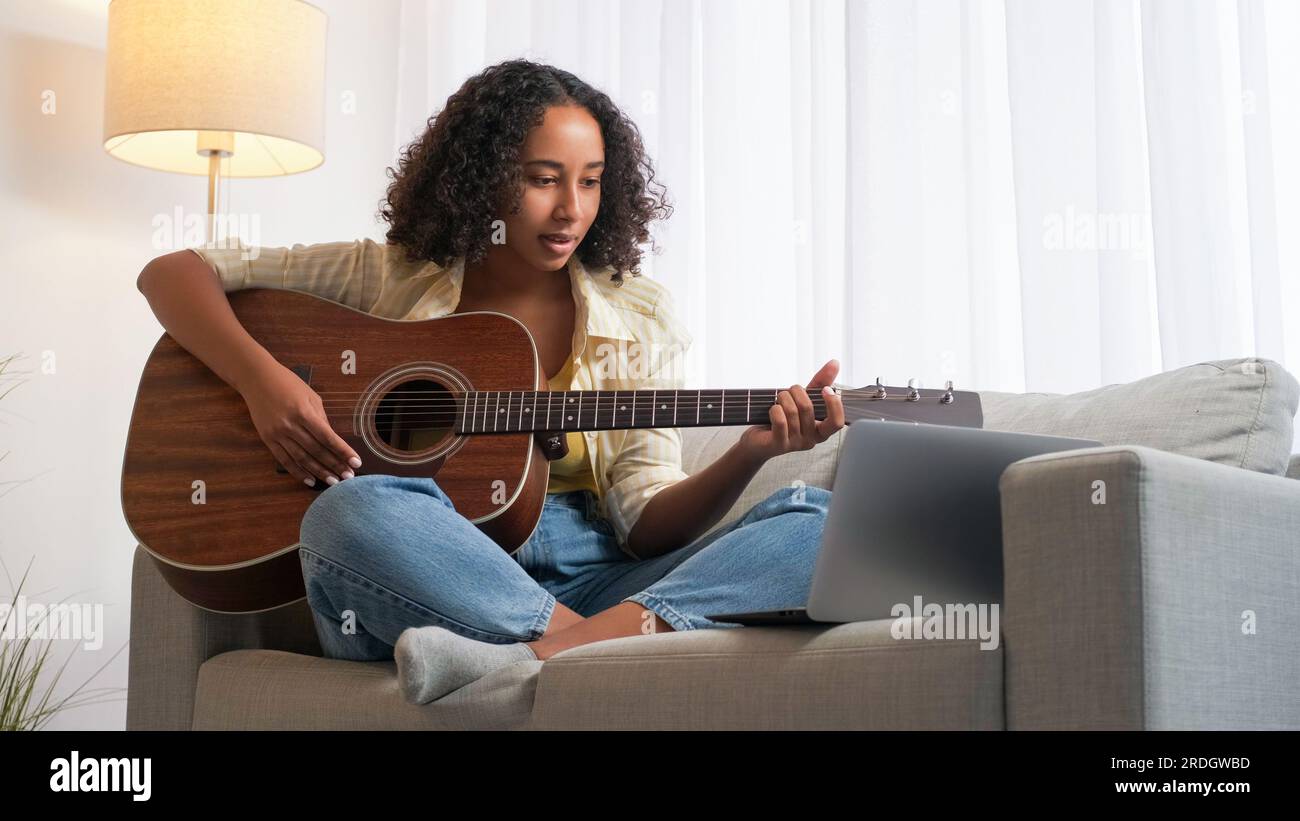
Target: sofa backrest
column 1238, row 412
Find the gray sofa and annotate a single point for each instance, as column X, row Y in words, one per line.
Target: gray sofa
column 1173, row 605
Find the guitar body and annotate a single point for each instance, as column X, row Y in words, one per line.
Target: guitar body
column 204, row 496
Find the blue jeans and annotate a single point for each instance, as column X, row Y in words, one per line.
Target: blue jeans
column 383, row 553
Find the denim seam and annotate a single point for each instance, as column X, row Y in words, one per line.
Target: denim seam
column 661, row 608
column 543, row 616
column 356, row 578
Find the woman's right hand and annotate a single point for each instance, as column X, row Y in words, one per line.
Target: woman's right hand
column 290, row 418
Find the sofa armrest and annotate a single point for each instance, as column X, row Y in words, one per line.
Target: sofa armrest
column 171, row 638
column 1172, row 605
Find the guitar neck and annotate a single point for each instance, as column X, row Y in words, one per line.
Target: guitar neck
column 523, row 411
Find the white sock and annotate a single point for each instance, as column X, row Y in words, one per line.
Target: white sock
column 432, row 661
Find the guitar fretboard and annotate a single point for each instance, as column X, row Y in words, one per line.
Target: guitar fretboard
column 521, row 411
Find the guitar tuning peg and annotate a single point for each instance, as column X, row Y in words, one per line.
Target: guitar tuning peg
column 947, row 396
column 881, row 393
column 912, row 393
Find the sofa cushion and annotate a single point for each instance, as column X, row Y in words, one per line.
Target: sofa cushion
column 854, row 676
column 275, row 690
column 1238, row 412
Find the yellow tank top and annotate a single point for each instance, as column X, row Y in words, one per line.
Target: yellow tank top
column 573, row 472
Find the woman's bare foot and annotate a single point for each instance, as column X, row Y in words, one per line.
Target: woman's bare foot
column 623, row 619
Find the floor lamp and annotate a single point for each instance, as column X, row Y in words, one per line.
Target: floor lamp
column 192, row 87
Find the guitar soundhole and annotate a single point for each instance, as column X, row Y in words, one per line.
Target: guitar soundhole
column 415, row 415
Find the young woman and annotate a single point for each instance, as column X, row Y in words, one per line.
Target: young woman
column 528, row 194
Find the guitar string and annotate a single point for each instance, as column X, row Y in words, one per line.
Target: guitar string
column 586, row 413
column 578, row 429
column 588, row 428
column 488, row 398
column 492, row 408
column 732, row 404
column 874, row 414
column 601, row 398
column 513, row 409
column 586, row 396
column 438, row 406
column 706, row 423
column 489, row 407
column 444, row 392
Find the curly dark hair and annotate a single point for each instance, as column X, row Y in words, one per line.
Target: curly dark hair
column 449, row 182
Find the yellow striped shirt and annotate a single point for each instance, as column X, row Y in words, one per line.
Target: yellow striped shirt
column 625, row 337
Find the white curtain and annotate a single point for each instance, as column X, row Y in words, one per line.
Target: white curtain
column 1019, row 195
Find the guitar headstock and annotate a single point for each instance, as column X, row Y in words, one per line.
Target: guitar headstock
column 910, row 403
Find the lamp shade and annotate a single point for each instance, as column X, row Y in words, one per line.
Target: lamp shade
column 242, row 77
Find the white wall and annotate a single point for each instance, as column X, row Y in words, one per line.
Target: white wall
column 78, row 225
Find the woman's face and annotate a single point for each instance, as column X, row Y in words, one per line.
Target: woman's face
column 562, row 161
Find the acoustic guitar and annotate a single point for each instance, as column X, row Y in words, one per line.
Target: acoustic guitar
column 462, row 398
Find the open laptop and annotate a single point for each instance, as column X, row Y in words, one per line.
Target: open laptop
column 915, row 511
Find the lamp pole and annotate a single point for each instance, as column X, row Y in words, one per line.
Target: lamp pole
column 217, row 145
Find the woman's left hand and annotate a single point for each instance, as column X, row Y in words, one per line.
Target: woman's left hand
column 794, row 425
